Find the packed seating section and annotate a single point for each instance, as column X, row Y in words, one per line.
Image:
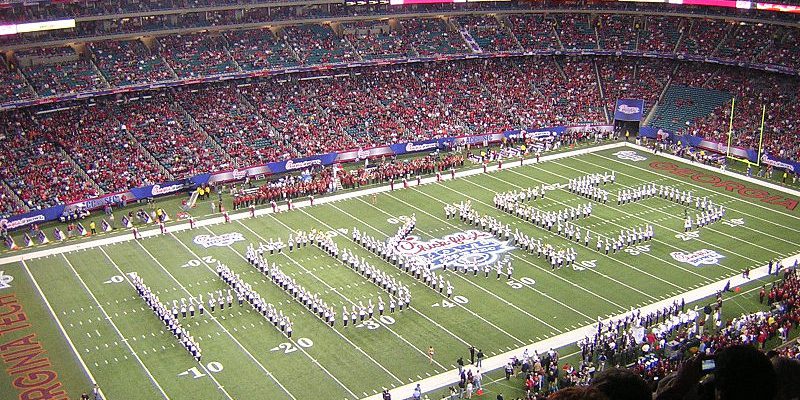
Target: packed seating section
column 183, row 131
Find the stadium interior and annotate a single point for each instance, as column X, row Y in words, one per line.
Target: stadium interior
column 100, row 97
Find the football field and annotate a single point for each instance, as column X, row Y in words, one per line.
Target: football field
column 84, row 317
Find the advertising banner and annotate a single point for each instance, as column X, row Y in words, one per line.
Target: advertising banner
column 629, row 110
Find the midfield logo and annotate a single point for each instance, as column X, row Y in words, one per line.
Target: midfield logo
column 467, row 249
column 5, row 280
column 698, row 257
column 629, row 155
column 223, row 240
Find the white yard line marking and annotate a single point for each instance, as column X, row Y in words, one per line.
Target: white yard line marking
column 116, row 329
column 448, row 378
column 709, row 228
column 710, row 190
column 410, row 307
column 332, row 289
column 125, row 276
column 213, row 318
column 301, row 348
column 61, row 327
column 594, row 270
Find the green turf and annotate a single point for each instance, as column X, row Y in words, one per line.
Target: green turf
column 257, row 361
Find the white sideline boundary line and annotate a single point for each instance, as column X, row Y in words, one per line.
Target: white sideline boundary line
column 154, row 231
column 499, row 361
column 61, row 327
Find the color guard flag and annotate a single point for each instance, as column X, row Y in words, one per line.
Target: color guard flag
column 28, row 241
column 81, row 230
column 106, row 226
column 42, row 237
column 10, row 243
column 59, row 235
column 126, row 222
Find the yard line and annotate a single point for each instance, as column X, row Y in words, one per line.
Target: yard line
column 298, row 346
column 512, row 305
column 710, row 228
column 334, row 290
column 589, row 269
column 414, row 283
column 722, row 193
column 655, row 238
column 127, row 279
column 568, row 338
column 396, row 274
column 113, row 325
column 61, row 327
column 213, row 318
column 526, row 285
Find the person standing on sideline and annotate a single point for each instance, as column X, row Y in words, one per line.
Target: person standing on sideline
column 430, row 354
column 480, row 357
column 472, row 354
column 93, row 228
column 460, row 363
column 417, row 393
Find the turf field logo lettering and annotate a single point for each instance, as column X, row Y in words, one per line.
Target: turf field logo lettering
column 734, row 222
column 5, row 280
column 686, row 236
column 697, row 258
column 629, row 155
column 467, row 249
column 223, row 240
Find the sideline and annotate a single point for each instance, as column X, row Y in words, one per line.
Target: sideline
column 452, row 377
column 155, row 231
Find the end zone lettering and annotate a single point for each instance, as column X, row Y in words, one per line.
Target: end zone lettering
column 713, row 180
column 25, row 359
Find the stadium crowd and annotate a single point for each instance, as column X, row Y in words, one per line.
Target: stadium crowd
column 232, row 125
column 219, row 126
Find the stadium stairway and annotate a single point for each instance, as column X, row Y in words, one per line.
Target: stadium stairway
column 600, row 88
column 473, row 45
column 682, row 104
column 147, row 152
column 99, row 73
column 18, row 203
column 652, row 112
column 187, row 116
column 77, row 167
